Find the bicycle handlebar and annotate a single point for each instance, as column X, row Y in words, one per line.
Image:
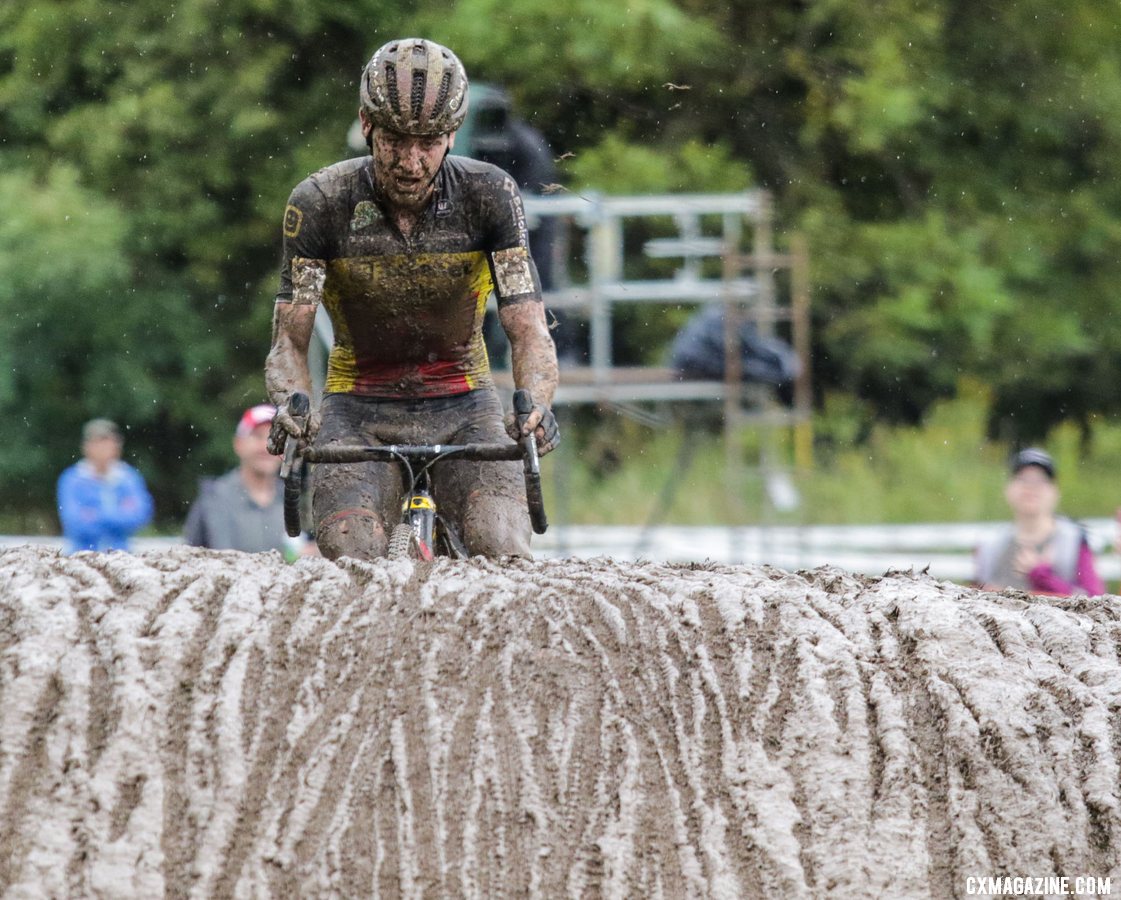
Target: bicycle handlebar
column 291, row 470
column 525, row 450
column 413, row 452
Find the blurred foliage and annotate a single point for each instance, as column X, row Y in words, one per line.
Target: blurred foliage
column 617, row 166
column 951, row 166
column 946, row 470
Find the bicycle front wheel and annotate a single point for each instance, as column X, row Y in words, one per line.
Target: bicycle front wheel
column 405, row 544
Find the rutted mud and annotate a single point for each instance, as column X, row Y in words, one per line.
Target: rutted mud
column 213, row 724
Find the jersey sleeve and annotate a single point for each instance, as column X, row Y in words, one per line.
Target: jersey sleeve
column 305, row 229
column 512, row 267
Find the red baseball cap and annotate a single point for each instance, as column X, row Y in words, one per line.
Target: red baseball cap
column 261, row 414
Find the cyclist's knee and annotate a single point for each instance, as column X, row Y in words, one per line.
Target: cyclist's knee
column 496, row 528
column 358, row 533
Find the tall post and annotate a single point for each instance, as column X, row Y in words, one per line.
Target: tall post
column 605, row 266
column 803, row 392
column 763, row 262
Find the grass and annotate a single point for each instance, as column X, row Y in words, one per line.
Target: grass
column 620, row 472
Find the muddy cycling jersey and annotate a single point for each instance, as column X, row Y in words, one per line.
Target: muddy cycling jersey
column 407, row 311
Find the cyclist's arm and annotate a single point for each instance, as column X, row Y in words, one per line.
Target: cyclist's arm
column 286, row 368
column 533, row 356
column 301, row 290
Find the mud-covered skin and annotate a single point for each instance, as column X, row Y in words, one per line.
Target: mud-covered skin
column 286, row 368
column 533, row 358
column 405, row 168
column 355, row 506
column 546, row 433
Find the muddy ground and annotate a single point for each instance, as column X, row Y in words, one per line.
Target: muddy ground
column 191, row 723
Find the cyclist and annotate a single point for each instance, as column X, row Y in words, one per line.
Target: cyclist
column 403, row 247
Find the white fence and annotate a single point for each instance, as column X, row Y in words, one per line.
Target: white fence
column 946, row 550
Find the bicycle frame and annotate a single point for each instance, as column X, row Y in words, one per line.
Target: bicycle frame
column 420, row 515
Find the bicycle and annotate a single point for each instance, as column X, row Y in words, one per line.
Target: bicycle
column 422, row 533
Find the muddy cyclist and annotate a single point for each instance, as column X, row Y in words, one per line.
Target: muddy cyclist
column 403, row 247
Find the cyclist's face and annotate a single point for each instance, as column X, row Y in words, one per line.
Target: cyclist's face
column 405, row 164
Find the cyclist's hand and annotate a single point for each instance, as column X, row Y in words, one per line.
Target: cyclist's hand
column 311, row 429
column 540, row 422
column 285, row 425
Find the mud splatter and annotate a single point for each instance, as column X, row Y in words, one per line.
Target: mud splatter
column 194, row 723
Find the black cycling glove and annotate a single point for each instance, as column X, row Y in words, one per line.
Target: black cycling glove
column 547, row 424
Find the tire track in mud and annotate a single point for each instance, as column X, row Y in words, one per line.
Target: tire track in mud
column 199, row 724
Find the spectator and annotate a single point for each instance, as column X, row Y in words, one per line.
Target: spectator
column 494, row 133
column 698, row 353
column 1040, row 552
column 244, row 509
column 102, row 501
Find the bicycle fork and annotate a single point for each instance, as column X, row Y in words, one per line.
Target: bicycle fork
column 420, row 512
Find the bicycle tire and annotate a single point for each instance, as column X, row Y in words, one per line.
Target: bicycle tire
column 404, row 543
column 293, row 485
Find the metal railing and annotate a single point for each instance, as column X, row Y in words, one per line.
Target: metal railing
column 707, row 228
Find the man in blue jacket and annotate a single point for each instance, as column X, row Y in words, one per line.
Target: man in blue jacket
column 102, row 501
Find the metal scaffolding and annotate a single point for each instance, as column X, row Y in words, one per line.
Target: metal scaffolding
column 744, row 283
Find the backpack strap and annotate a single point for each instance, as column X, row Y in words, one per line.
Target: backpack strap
column 1065, row 548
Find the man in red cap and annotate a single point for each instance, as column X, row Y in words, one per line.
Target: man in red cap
column 244, row 509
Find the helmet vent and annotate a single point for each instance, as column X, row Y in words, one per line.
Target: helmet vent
column 442, row 93
column 417, row 98
column 391, row 86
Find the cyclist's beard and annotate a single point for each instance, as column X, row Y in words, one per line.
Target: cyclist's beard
column 405, row 188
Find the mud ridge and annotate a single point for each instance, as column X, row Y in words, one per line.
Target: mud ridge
column 200, row 724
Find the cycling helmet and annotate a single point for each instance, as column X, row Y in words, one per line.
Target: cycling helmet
column 416, row 87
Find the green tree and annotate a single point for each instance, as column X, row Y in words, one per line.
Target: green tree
column 171, row 137
column 950, row 163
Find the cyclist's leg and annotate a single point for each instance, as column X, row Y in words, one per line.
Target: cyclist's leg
column 354, row 505
column 485, row 500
